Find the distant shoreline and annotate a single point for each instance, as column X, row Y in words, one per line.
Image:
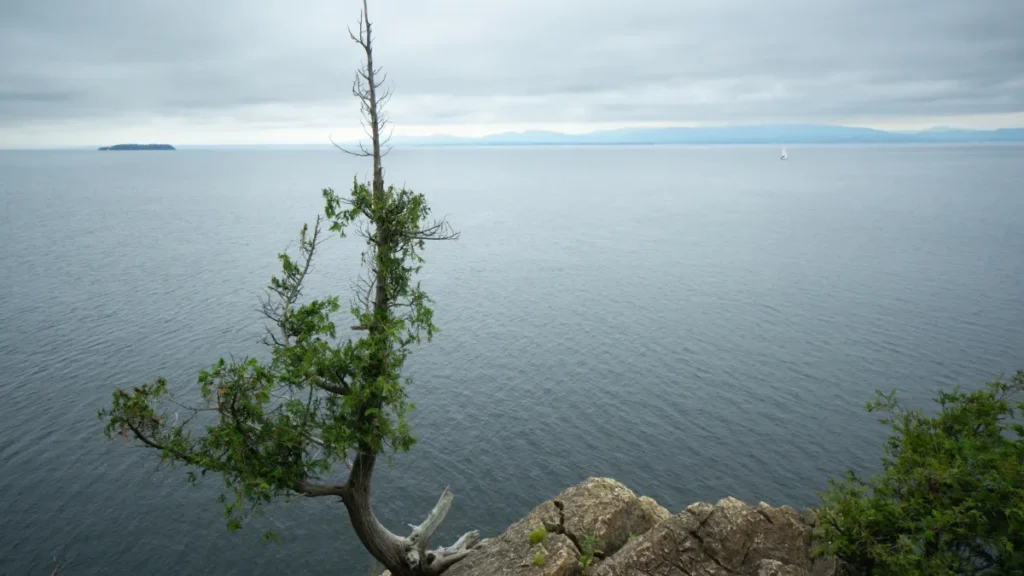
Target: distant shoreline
column 777, row 135
column 637, row 144
column 410, row 145
column 754, row 135
column 119, row 147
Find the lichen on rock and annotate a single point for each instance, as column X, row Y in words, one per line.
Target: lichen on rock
column 601, row 508
column 639, row 537
column 728, row 538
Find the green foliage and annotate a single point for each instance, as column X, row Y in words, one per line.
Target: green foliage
column 539, row 558
column 269, row 427
column 950, row 497
column 537, row 536
column 589, row 548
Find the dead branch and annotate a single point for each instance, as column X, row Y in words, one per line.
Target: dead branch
column 368, row 86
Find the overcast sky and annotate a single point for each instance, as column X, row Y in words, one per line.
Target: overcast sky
column 87, row 72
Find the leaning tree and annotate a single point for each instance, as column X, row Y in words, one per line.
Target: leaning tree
column 321, row 401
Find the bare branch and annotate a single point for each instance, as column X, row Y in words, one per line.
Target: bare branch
column 371, row 288
column 420, row 535
column 440, row 559
column 385, row 144
column 312, row 490
column 439, row 230
column 362, row 153
column 270, row 339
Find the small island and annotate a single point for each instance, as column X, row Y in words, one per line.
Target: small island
column 139, row 147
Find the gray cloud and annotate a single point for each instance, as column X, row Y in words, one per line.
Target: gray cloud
column 527, row 61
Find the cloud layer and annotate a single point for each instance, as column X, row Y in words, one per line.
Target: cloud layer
column 262, row 65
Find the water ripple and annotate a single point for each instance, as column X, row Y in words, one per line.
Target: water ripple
column 696, row 322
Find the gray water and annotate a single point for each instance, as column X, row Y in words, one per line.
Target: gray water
column 695, row 322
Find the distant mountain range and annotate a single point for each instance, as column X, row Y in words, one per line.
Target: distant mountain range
column 782, row 135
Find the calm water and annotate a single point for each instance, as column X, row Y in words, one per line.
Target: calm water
column 696, row 322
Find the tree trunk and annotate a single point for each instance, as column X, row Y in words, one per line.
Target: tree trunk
column 385, row 546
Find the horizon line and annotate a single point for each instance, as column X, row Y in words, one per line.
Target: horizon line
column 796, row 145
column 629, row 133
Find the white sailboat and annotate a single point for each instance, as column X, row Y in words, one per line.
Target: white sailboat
column 784, row 155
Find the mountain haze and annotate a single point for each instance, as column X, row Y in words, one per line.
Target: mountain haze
column 781, row 134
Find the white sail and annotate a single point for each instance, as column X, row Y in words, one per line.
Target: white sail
column 784, row 155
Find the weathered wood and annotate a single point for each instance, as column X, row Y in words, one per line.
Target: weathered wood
column 439, row 559
column 420, row 535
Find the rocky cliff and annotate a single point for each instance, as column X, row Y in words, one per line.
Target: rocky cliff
column 621, row 534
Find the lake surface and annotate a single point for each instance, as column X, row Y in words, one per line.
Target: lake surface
column 696, row 322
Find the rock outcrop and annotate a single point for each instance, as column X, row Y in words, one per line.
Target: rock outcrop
column 636, row 536
column 598, row 507
column 729, row 538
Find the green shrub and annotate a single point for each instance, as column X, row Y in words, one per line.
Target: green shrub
column 537, row 536
column 539, row 558
column 590, row 546
column 950, row 497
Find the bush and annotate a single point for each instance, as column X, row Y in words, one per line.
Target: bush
column 539, row 558
column 591, row 549
column 950, row 497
